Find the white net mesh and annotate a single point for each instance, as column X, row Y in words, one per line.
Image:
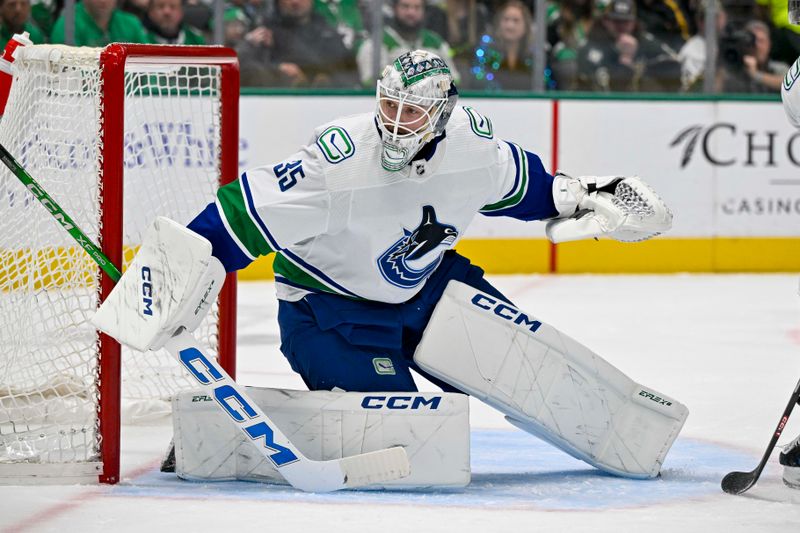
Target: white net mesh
column 48, row 287
column 172, row 125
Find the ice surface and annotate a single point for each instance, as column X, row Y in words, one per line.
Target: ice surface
column 728, row 346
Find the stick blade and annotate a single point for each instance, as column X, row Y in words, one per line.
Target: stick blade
column 348, row 472
column 738, row 482
column 375, row 467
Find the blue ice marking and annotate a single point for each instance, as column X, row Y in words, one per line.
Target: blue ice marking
column 510, row 470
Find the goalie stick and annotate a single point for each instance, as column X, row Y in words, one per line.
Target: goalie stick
column 300, row 471
column 739, row 482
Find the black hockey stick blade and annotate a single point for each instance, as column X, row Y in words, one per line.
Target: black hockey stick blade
column 739, row 482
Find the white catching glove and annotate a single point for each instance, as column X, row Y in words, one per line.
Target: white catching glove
column 622, row 208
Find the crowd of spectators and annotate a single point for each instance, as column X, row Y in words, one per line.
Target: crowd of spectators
column 491, row 45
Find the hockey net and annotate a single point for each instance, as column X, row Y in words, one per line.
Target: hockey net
column 116, row 136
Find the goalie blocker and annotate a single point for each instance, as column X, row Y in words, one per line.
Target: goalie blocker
column 548, row 384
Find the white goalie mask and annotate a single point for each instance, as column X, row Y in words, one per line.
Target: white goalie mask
column 794, row 11
column 415, row 98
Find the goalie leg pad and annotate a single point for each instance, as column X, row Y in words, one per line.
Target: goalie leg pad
column 433, row 428
column 548, row 384
column 171, row 283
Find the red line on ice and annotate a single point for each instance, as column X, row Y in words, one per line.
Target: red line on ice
column 58, row 509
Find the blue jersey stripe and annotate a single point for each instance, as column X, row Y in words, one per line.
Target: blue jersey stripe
column 208, row 223
column 536, row 201
column 516, row 166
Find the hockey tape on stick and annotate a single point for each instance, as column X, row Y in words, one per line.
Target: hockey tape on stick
column 300, row 471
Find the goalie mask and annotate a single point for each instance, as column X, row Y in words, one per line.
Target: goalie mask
column 416, row 96
column 794, row 11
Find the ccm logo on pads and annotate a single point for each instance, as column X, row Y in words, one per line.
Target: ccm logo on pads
column 147, row 291
column 400, row 402
column 503, row 310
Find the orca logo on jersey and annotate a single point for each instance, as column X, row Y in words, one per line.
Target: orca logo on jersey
column 398, row 263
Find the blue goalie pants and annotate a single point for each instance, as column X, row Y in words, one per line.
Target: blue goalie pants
column 365, row 346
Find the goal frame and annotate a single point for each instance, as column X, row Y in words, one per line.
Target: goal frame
column 113, row 60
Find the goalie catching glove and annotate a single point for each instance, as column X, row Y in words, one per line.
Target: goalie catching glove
column 623, row 208
column 171, row 284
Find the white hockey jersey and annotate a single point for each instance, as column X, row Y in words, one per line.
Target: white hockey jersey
column 341, row 224
column 790, row 93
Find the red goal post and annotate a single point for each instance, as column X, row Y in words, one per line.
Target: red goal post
column 114, row 59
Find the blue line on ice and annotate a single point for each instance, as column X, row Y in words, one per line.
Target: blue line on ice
column 511, row 470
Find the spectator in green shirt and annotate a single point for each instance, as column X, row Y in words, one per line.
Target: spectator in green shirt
column 99, row 22
column 43, row 15
column 15, row 17
column 346, row 17
column 406, row 31
column 164, row 24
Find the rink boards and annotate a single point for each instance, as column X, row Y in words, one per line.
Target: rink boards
column 729, row 170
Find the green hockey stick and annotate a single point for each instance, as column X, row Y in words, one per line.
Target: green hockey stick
column 63, row 218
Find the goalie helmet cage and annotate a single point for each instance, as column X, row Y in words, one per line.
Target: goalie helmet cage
column 116, row 136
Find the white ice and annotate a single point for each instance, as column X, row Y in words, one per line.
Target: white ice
column 728, row 346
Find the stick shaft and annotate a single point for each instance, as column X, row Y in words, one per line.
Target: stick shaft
column 779, row 429
column 59, row 214
column 729, row 482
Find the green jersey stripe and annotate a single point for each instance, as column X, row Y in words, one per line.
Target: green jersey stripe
column 295, row 274
column 522, row 186
column 230, row 231
column 234, row 208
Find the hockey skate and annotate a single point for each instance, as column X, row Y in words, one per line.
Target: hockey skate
column 790, row 459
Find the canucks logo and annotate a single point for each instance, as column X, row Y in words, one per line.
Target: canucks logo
column 336, row 145
column 405, row 263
